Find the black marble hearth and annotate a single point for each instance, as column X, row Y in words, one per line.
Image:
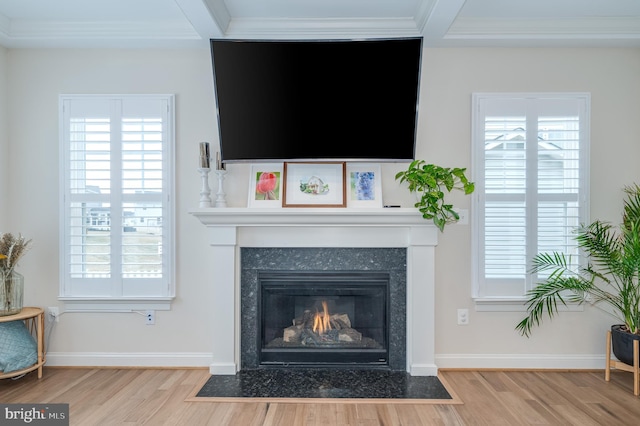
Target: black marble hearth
column 323, row 383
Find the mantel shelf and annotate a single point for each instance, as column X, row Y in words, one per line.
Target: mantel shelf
column 311, row 217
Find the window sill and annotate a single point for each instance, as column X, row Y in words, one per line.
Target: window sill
column 79, row 304
column 516, row 305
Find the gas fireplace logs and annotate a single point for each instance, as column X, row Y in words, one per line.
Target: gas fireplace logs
column 314, row 328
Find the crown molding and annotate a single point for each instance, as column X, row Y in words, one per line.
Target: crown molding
column 102, row 29
column 589, row 28
column 435, row 20
column 328, row 28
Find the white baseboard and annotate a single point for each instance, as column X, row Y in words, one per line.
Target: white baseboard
column 423, row 370
column 521, row 361
column 203, row 359
column 137, row 359
column 222, row 369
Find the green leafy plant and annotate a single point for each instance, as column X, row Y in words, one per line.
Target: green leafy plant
column 611, row 276
column 430, row 182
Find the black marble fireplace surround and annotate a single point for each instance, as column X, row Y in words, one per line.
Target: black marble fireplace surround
column 383, row 264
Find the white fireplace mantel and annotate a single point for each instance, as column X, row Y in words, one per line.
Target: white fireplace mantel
column 316, row 216
column 232, row 228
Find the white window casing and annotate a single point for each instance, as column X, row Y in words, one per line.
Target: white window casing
column 117, row 209
column 531, row 170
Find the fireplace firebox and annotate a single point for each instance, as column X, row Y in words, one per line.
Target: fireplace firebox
column 323, row 318
column 364, row 290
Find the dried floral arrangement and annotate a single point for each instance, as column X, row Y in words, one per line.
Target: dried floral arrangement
column 12, row 248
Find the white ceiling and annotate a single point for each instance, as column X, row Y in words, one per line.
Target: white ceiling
column 191, row 23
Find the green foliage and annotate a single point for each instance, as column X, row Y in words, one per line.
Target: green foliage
column 431, row 181
column 611, row 277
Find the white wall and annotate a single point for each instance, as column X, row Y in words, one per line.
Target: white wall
column 183, row 336
column 4, row 141
column 449, row 77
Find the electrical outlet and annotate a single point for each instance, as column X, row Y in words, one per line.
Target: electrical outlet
column 150, row 317
column 54, row 313
column 463, row 316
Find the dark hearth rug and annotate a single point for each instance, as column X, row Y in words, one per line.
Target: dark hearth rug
column 322, row 384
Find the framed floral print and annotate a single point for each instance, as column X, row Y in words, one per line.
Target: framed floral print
column 364, row 185
column 265, row 185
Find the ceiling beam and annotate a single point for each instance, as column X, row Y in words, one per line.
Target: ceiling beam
column 435, row 18
column 209, row 18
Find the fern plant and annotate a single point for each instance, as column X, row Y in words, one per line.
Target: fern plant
column 430, row 182
column 611, row 276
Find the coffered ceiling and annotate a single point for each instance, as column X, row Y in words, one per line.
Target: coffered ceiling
column 191, row 23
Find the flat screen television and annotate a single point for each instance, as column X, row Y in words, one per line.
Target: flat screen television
column 317, row 100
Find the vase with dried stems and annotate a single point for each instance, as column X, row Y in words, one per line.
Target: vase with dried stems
column 12, row 248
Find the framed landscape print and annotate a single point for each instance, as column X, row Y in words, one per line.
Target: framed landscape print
column 314, row 184
column 265, row 185
column 364, row 185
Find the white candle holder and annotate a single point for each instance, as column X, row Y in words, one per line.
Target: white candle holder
column 205, row 191
column 220, row 200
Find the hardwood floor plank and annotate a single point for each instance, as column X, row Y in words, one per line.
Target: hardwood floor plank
column 157, row 397
column 480, row 399
column 585, row 399
column 174, row 407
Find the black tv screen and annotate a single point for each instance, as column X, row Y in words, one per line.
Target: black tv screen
column 350, row 100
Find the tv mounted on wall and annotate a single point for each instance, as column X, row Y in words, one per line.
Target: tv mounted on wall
column 317, row 100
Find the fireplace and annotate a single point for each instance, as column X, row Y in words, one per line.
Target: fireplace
column 323, row 319
column 312, row 234
column 358, row 293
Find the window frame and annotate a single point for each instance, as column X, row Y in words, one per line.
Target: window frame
column 509, row 302
column 118, row 301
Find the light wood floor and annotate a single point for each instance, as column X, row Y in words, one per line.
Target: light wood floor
column 158, row 397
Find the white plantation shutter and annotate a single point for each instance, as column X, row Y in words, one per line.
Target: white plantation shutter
column 531, row 172
column 117, row 214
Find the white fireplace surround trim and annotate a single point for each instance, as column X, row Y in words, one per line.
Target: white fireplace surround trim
column 229, row 229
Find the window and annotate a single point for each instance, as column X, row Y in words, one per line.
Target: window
column 117, row 212
column 531, row 172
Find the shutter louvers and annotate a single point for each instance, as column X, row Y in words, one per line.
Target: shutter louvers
column 117, row 201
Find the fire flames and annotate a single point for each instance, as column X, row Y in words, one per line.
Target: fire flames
column 322, row 320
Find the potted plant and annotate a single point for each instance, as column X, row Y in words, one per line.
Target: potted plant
column 611, row 276
column 429, row 182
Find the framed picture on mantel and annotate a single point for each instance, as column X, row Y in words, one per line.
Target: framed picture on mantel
column 265, row 185
column 364, row 185
column 319, row 184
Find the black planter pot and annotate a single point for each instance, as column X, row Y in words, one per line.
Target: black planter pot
column 622, row 342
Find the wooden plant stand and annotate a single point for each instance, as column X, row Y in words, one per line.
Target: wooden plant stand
column 635, row 368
